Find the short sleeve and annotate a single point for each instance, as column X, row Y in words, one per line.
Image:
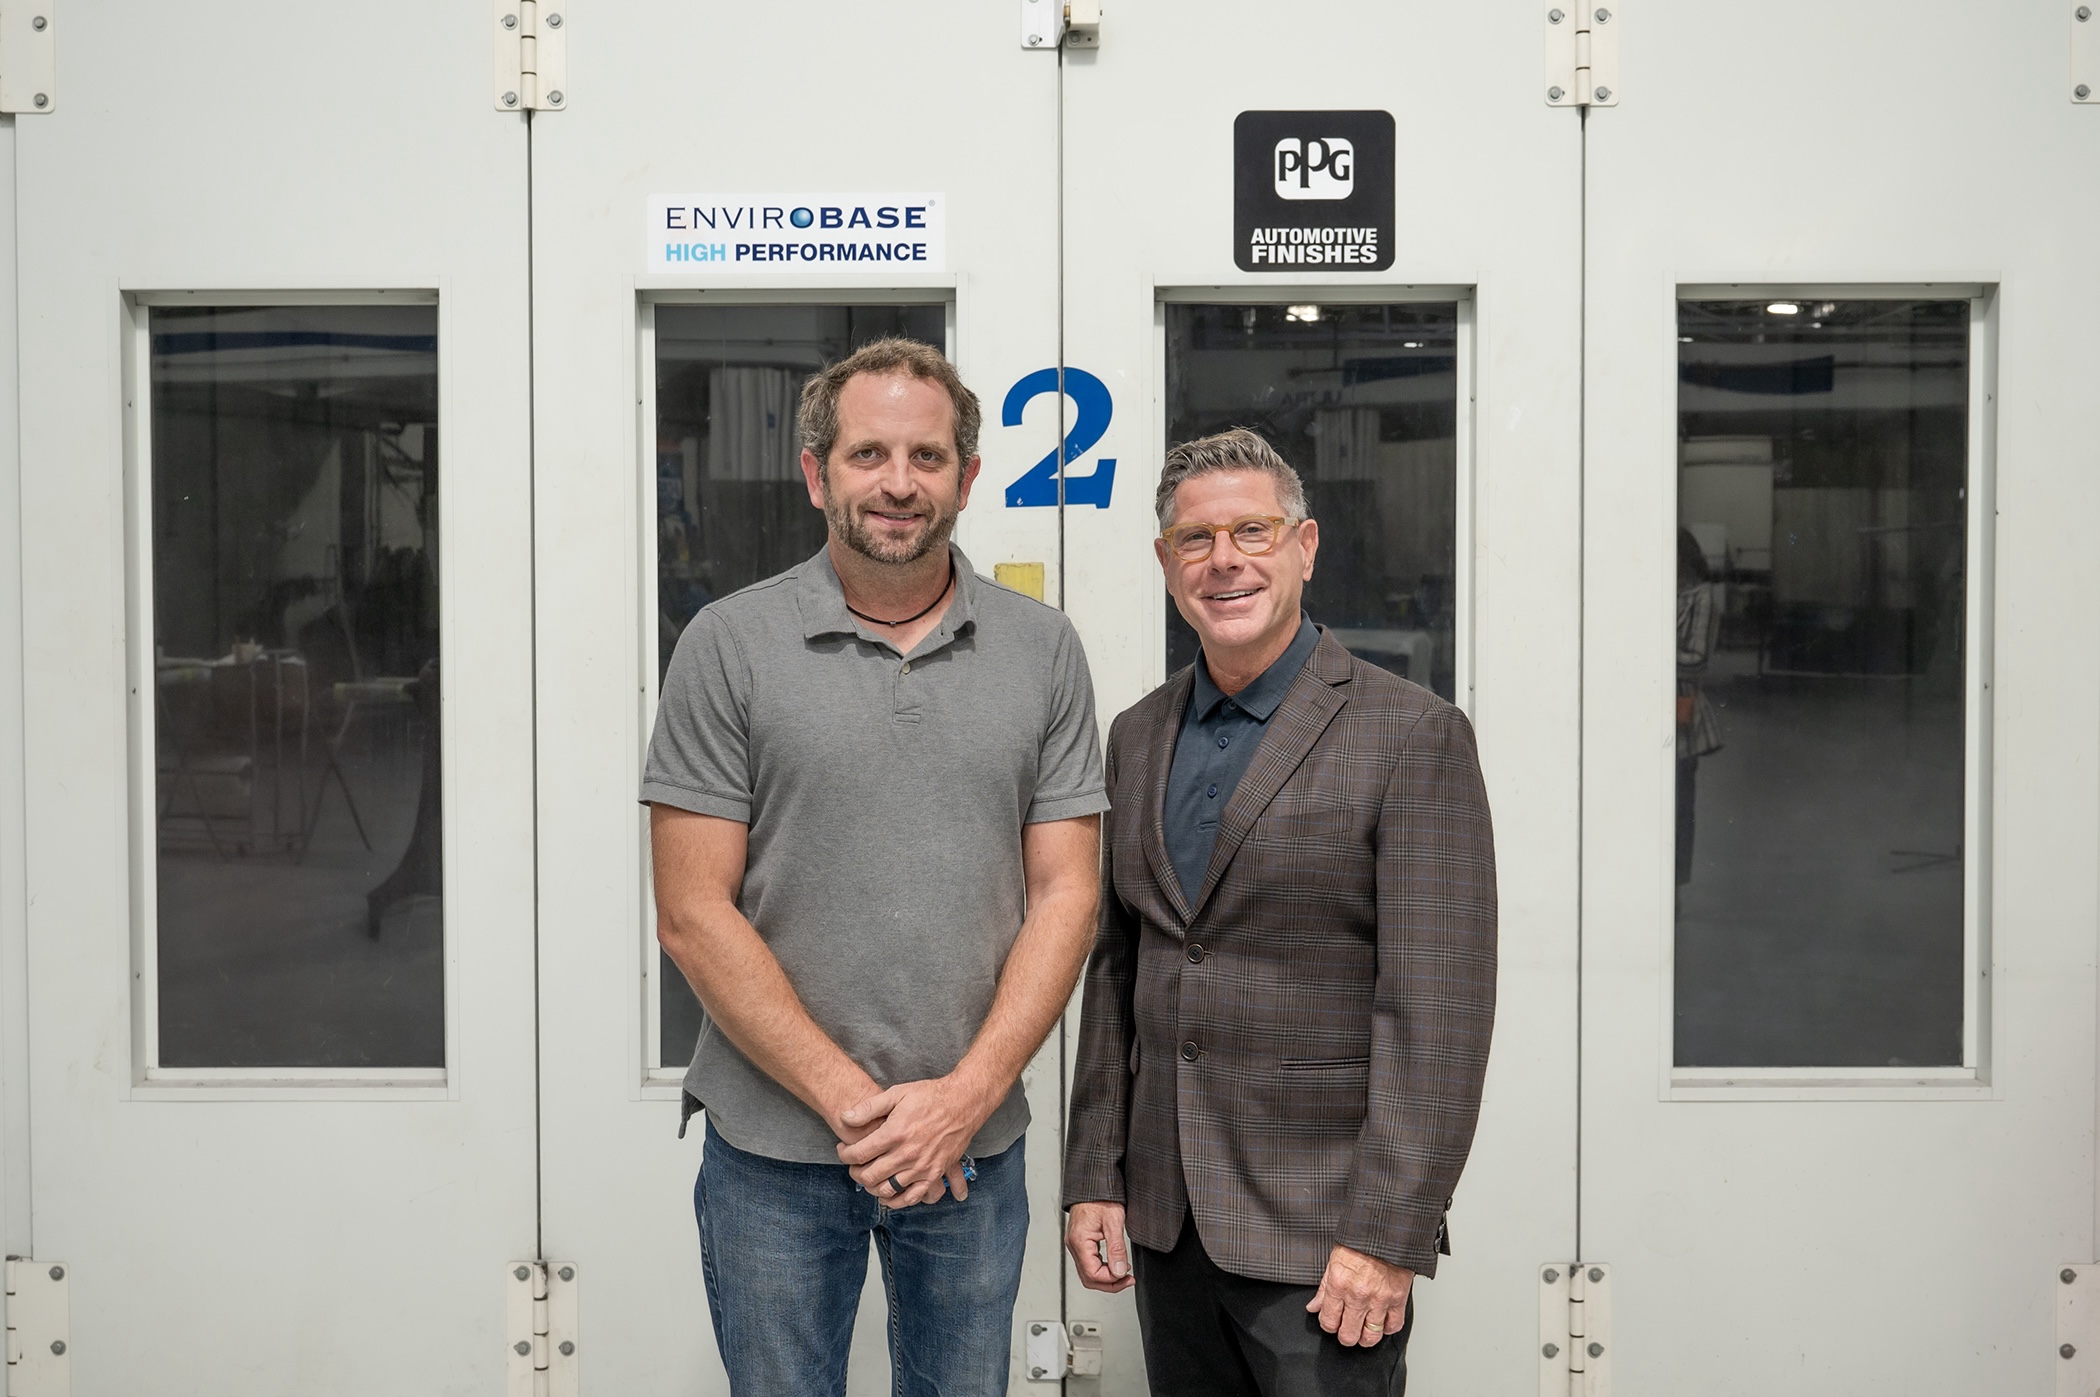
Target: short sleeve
column 700, row 754
column 1068, row 777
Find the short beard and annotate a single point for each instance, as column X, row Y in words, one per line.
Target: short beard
column 856, row 535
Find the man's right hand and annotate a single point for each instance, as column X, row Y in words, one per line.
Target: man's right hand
column 1089, row 1229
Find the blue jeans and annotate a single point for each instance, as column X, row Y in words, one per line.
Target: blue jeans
column 785, row 1250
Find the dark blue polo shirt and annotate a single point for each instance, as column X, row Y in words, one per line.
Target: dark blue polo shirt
column 1219, row 735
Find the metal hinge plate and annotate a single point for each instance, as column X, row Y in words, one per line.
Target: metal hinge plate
column 2077, row 1360
column 532, row 55
column 1055, row 1351
column 539, row 1329
column 39, row 1324
column 1574, row 1329
column 1582, row 52
column 28, row 56
column 1042, row 24
column 2085, row 53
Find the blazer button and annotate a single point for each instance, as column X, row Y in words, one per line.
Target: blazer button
column 1190, row 1052
column 1196, row 953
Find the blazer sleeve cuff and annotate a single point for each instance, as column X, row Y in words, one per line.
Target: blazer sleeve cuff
column 1409, row 1242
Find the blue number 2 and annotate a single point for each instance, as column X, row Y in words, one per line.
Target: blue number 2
column 1090, row 396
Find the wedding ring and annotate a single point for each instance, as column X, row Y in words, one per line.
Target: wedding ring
column 895, row 1187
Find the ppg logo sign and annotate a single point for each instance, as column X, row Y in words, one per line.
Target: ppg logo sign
column 1312, row 192
column 1322, row 167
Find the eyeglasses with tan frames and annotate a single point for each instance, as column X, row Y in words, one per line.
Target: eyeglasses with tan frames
column 1252, row 534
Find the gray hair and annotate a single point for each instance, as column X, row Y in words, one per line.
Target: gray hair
column 818, row 417
column 1236, row 449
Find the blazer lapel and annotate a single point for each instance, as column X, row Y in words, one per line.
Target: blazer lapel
column 1159, row 750
column 1292, row 730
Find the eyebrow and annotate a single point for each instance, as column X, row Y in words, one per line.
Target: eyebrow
column 944, row 449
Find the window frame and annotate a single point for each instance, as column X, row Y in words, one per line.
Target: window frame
column 1972, row 1078
column 147, row 1078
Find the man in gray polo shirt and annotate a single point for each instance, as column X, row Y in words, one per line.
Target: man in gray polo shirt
column 875, row 787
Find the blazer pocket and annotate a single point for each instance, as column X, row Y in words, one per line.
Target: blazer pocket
column 1336, row 1066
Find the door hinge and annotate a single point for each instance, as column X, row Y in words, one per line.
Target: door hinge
column 1057, row 1351
column 1575, row 1330
column 532, row 55
column 539, row 1329
column 1582, row 53
column 39, row 1316
column 28, row 56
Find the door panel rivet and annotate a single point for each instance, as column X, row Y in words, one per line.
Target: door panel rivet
column 1554, row 16
column 522, row 1347
column 1551, row 1275
column 1551, row 1350
column 1604, row 94
column 2082, row 90
column 1553, row 94
column 2085, row 12
column 42, row 100
column 522, row 1273
column 38, row 24
column 58, row 1273
column 2067, row 1275
column 568, row 1273
column 1596, row 1350
column 554, row 21
column 568, row 1348
column 1603, row 15
column 510, row 21
column 510, row 99
column 2068, row 1351
column 1596, row 1273
column 555, row 96
column 58, row 1346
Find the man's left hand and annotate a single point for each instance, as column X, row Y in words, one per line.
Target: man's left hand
column 1361, row 1299
column 924, row 1129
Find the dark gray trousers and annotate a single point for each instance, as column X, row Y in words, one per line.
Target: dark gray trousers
column 1209, row 1333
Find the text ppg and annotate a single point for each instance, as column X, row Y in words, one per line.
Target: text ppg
column 1321, row 167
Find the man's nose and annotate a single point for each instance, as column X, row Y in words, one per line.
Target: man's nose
column 895, row 479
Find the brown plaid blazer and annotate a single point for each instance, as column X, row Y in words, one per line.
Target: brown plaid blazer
column 1297, row 1055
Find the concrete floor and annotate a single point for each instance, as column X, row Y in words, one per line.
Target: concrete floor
column 265, row 962
column 1822, row 925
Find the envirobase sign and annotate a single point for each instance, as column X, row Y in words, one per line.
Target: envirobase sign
column 776, row 233
column 1312, row 190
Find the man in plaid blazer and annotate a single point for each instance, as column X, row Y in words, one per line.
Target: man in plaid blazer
column 1292, row 991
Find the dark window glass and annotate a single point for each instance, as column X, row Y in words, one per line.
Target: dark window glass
column 731, row 505
column 1821, row 593
column 1362, row 400
column 295, row 696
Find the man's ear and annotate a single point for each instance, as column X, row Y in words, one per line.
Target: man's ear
column 969, row 477
column 813, row 477
column 1309, row 540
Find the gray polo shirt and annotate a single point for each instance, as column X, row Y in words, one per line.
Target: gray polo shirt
column 885, row 795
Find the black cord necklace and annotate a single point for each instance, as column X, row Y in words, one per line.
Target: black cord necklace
column 878, row 621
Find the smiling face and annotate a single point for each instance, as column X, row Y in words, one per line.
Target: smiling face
column 893, row 485
column 1242, row 608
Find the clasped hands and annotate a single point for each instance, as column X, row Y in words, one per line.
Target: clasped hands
column 1360, row 1299
column 913, row 1135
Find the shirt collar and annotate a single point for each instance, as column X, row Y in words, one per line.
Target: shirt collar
column 1259, row 699
column 822, row 601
